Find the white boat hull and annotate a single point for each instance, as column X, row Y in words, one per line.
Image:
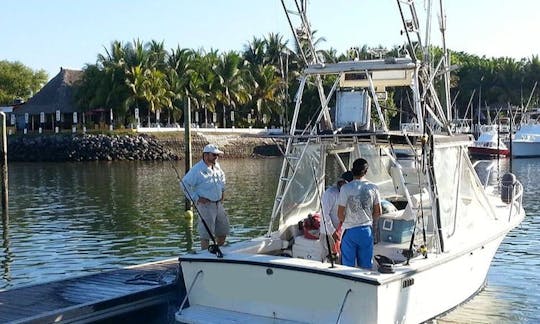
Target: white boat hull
column 311, row 292
column 526, row 141
column 525, row 148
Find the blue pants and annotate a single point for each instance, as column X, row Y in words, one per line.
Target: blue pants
column 357, row 247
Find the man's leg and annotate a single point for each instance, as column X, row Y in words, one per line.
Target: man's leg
column 365, row 251
column 348, row 248
column 220, row 240
column 222, row 224
column 206, row 213
column 205, row 244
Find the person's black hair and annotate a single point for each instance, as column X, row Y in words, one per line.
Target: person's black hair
column 360, row 167
column 347, row 176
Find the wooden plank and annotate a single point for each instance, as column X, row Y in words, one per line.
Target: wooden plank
column 91, row 296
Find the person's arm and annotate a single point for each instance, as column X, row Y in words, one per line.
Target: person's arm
column 341, row 213
column 223, row 183
column 188, row 186
column 326, row 203
column 342, row 200
column 376, row 215
column 376, row 206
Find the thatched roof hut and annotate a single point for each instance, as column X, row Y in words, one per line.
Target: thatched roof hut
column 57, row 94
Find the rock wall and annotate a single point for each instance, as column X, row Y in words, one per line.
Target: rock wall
column 78, row 147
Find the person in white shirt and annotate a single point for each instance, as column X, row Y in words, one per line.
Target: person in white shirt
column 205, row 184
column 330, row 228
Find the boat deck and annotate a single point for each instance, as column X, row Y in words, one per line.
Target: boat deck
column 93, row 297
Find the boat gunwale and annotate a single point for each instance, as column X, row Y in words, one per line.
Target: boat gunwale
column 382, row 279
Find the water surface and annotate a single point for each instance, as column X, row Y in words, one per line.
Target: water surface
column 68, row 219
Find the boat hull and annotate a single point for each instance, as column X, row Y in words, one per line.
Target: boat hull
column 483, row 151
column 312, row 292
column 525, row 148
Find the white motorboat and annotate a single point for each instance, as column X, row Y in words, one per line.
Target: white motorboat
column 435, row 249
column 526, row 140
column 489, row 143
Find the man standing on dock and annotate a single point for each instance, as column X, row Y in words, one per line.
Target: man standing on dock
column 205, row 182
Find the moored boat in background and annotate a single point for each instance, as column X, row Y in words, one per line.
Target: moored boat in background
column 526, row 140
column 489, row 143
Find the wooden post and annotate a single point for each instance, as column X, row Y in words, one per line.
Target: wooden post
column 187, row 143
column 510, row 169
column 3, row 163
column 188, row 213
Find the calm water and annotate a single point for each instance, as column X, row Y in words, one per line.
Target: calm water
column 69, row 219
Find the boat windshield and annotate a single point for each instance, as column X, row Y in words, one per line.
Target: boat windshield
column 464, row 209
column 301, row 197
column 306, row 176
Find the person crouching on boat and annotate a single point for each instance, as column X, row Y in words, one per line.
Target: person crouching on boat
column 206, row 184
column 331, row 223
column 358, row 209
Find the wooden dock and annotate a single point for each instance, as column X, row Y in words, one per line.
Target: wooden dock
column 109, row 296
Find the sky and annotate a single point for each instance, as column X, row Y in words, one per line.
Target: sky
column 71, row 33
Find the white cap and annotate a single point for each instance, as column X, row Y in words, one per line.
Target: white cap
column 211, row 148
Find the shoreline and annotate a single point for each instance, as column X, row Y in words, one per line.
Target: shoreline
column 137, row 146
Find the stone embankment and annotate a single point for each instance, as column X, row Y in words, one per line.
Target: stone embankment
column 88, row 147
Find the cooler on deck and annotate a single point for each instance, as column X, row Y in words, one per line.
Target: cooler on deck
column 395, row 230
column 304, row 248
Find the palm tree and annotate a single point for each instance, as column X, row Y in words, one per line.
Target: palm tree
column 231, row 91
column 204, row 81
column 254, row 51
column 180, row 64
column 156, row 91
column 135, row 79
column 267, row 93
column 157, row 55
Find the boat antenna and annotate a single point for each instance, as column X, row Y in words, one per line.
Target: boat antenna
column 214, row 247
column 331, row 255
column 530, row 96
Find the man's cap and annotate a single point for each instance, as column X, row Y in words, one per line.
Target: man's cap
column 347, row 176
column 211, row 148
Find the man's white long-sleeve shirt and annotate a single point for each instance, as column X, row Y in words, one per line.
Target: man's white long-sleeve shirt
column 329, row 206
column 204, row 181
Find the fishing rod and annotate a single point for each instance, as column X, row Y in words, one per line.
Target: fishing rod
column 212, row 248
column 331, row 255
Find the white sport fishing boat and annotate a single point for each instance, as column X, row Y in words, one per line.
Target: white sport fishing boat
column 526, row 141
column 434, row 251
column 490, row 143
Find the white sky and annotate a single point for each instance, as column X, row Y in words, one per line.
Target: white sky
column 70, row 33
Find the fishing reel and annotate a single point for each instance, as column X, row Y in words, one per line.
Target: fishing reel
column 214, row 249
column 410, row 253
column 423, row 250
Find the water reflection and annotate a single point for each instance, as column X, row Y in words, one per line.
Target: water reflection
column 68, row 218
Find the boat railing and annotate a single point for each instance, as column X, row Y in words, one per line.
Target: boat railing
column 488, row 169
column 189, row 291
column 517, row 199
column 342, row 305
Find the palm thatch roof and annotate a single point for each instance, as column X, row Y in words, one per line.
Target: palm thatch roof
column 57, row 94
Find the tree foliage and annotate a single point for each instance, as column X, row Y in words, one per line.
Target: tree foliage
column 261, row 80
column 18, row 81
